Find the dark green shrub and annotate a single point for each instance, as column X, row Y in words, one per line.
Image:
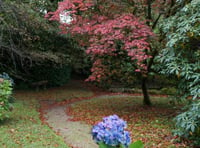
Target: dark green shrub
column 28, row 40
column 181, row 59
column 56, row 76
column 188, row 123
column 5, row 76
column 22, row 86
column 59, row 76
column 5, row 94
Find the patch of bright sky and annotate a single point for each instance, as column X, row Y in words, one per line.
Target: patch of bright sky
column 65, row 17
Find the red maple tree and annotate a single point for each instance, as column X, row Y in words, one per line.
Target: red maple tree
column 106, row 27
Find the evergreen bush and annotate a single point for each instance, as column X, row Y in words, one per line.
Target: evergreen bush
column 5, row 97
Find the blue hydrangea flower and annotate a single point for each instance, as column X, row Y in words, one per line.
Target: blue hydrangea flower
column 7, row 77
column 111, row 131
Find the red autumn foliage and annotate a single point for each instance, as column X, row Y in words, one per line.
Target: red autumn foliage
column 105, row 28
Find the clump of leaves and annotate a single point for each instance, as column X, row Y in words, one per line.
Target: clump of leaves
column 182, row 53
column 5, row 93
column 181, row 58
column 188, row 123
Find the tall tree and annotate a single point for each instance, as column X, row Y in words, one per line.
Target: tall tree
column 28, row 39
column 109, row 28
column 107, row 31
column 181, row 57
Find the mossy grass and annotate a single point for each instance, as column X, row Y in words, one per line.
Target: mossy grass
column 24, row 128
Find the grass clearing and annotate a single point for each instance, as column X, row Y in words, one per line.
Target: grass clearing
column 24, row 129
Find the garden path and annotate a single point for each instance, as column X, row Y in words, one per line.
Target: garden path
column 76, row 134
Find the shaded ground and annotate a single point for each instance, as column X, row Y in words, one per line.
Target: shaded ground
column 74, row 89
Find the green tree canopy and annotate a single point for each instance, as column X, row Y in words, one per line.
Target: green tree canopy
column 182, row 58
column 182, row 54
column 28, row 39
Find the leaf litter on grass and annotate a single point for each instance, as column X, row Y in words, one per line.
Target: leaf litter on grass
column 74, row 89
column 152, row 125
column 24, row 128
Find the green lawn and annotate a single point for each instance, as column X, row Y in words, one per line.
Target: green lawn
column 25, row 130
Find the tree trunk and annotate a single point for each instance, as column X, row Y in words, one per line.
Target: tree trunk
column 149, row 16
column 146, row 99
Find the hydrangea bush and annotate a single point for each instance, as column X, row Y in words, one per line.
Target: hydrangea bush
column 111, row 133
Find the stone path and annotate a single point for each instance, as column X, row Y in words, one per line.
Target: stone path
column 76, row 134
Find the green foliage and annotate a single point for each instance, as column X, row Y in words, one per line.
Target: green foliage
column 118, row 69
column 188, row 123
column 43, row 6
column 28, row 39
column 5, row 76
column 136, row 144
column 5, row 93
column 181, row 58
column 102, row 145
column 56, row 76
column 31, row 34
